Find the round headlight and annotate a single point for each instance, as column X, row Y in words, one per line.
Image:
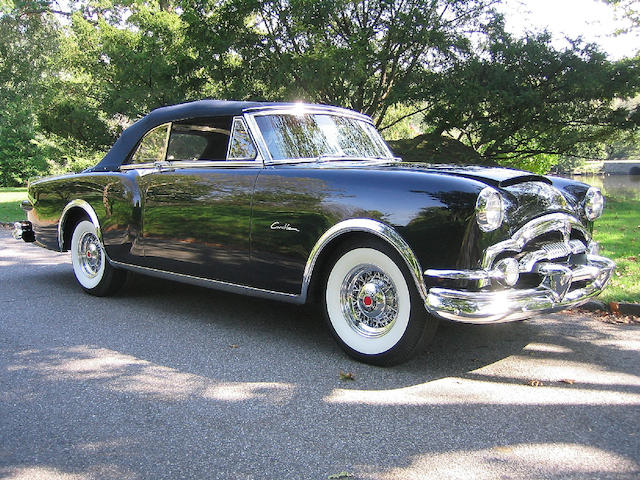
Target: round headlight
column 489, row 210
column 593, row 203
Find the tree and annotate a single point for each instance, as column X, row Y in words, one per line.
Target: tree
column 365, row 55
column 132, row 56
column 521, row 102
column 28, row 38
column 68, row 88
column 630, row 9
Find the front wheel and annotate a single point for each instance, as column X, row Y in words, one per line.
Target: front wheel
column 90, row 265
column 372, row 306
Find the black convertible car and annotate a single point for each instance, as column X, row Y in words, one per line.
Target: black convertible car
column 302, row 202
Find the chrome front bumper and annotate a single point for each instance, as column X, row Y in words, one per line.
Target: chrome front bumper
column 554, row 293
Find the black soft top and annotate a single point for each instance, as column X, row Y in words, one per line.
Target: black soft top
column 202, row 108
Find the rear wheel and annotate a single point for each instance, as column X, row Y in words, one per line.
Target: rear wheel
column 90, row 265
column 372, row 306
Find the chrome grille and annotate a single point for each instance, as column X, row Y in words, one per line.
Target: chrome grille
column 535, row 229
column 538, row 241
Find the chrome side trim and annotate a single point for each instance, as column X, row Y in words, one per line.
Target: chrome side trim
column 89, row 211
column 175, row 164
column 376, row 228
column 213, row 163
column 208, row 283
column 137, row 166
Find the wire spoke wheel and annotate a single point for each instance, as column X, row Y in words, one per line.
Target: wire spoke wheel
column 90, row 254
column 369, row 300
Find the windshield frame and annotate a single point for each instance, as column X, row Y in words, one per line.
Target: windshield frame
column 304, row 109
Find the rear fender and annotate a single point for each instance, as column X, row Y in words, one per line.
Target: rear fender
column 68, row 210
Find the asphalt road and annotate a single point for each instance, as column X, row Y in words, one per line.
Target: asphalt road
column 171, row 381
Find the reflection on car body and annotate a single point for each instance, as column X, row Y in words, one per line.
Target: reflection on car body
column 307, row 203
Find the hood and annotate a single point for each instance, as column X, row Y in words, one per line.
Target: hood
column 494, row 176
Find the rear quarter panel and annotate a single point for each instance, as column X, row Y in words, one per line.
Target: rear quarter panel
column 113, row 197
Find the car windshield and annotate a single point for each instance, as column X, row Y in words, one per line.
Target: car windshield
column 320, row 135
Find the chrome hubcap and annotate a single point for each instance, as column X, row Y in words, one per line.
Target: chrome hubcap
column 369, row 301
column 90, row 255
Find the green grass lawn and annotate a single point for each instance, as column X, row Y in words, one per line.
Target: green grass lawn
column 618, row 232
column 10, row 199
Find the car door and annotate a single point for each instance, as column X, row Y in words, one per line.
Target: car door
column 196, row 200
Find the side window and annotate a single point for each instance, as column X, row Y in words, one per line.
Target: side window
column 151, row 148
column 241, row 146
column 196, row 141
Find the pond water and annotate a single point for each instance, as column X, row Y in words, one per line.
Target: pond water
column 625, row 186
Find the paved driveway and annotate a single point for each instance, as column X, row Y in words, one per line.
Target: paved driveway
column 172, row 381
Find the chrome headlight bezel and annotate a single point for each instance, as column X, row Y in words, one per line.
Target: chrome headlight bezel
column 489, row 209
column 593, row 204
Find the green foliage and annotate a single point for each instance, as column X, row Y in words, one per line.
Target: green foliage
column 520, row 102
column 431, row 148
column 401, row 121
column 617, row 232
column 364, row 55
column 10, row 199
column 73, row 116
column 25, row 41
column 67, row 154
column 20, row 156
column 136, row 57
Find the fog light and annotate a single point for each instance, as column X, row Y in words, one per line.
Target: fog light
column 507, row 272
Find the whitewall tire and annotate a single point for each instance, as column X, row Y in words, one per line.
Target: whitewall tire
column 90, row 265
column 372, row 306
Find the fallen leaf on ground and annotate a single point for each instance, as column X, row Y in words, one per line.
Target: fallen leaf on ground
column 619, row 319
column 535, row 383
column 503, row 449
column 568, row 381
column 614, row 307
column 233, row 345
column 347, row 375
column 341, row 475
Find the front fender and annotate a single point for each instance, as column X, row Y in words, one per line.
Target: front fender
column 373, row 227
